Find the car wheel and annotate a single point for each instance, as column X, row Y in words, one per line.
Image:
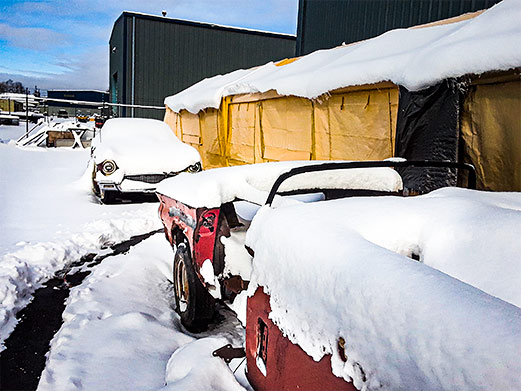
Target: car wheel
column 95, row 187
column 108, row 197
column 194, row 304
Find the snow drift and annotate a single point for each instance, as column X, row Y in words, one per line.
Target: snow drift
column 344, row 270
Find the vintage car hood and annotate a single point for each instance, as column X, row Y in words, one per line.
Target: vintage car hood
column 140, row 146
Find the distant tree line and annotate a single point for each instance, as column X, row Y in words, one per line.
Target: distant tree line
column 12, row 86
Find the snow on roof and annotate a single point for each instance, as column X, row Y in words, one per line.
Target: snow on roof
column 252, row 182
column 414, row 58
column 408, row 325
column 18, row 97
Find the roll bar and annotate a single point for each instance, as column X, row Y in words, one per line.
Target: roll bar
column 372, row 164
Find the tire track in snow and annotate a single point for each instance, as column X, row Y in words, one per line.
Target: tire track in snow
column 23, row 360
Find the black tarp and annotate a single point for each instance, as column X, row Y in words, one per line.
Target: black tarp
column 427, row 128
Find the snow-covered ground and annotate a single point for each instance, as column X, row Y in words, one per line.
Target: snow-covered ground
column 49, row 218
column 119, row 330
column 10, row 132
column 121, row 333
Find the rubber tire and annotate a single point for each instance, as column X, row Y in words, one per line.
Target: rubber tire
column 199, row 305
column 95, row 187
column 109, row 197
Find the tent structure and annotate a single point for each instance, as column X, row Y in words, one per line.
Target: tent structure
column 449, row 90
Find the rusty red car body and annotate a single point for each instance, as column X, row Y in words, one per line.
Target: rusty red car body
column 275, row 363
column 196, row 225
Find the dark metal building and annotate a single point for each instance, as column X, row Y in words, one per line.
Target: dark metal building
column 152, row 57
column 325, row 24
column 78, row 95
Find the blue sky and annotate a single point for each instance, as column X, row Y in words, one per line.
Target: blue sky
column 64, row 44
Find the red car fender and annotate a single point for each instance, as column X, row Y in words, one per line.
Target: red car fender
column 198, row 226
column 204, row 236
column 275, row 363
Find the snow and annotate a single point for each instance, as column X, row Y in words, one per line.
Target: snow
column 212, row 283
column 121, row 333
column 343, row 269
column 12, row 132
column 413, row 58
column 141, row 146
column 450, row 321
column 212, row 188
column 192, row 368
column 50, row 218
column 237, row 260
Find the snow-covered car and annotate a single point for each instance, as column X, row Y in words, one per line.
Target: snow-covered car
column 206, row 216
column 132, row 155
column 386, row 293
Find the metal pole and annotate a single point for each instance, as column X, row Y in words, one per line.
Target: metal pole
column 9, row 105
column 27, row 113
column 133, row 62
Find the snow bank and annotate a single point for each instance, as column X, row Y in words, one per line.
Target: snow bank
column 11, row 132
column 25, row 270
column 120, row 332
column 142, row 146
column 49, row 219
column 193, row 368
column 211, row 188
column 413, row 58
column 345, row 273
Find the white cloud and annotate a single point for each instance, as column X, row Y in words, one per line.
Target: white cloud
column 34, row 38
column 86, row 71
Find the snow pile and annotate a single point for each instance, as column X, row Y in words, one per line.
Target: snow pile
column 142, row 146
column 11, row 132
column 212, row 188
column 193, row 368
column 344, row 264
column 49, row 219
column 120, row 332
column 413, row 58
column 25, row 270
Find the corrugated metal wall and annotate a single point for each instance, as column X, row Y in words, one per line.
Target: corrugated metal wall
column 117, row 62
column 164, row 56
column 327, row 23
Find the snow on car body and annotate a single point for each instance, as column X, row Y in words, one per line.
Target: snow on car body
column 206, row 215
column 134, row 154
column 383, row 293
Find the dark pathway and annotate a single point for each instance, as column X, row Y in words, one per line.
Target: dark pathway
column 23, row 360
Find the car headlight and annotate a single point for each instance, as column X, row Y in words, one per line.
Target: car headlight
column 194, row 168
column 107, row 167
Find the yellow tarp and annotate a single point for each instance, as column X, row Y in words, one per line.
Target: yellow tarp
column 243, row 129
column 351, row 125
column 7, row 105
column 491, row 134
column 359, row 125
column 286, row 127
